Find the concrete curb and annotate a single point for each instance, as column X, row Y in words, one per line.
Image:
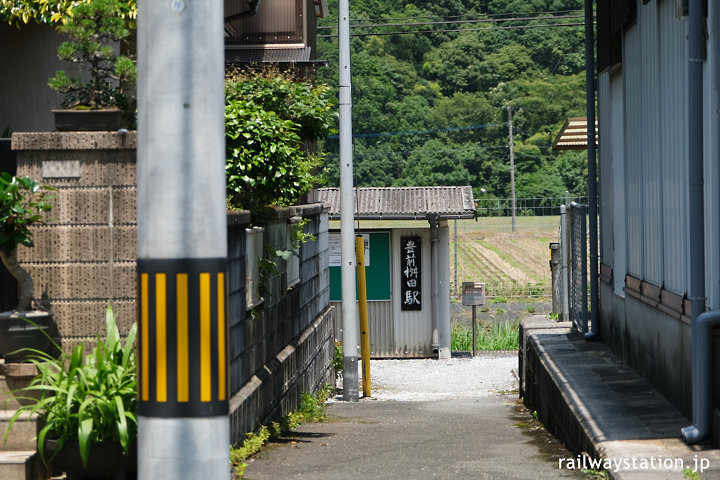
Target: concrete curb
column 602, row 410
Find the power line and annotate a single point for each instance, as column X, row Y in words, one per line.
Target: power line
column 489, row 15
column 452, row 22
column 516, row 27
column 419, row 132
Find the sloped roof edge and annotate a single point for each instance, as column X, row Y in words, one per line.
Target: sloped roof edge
column 573, row 135
column 403, row 203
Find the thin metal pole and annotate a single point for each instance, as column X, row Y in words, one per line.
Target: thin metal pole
column 347, row 242
column 364, row 326
column 456, row 258
column 183, row 370
column 512, row 168
column 435, row 281
column 592, row 170
column 474, row 331
column 564, row 241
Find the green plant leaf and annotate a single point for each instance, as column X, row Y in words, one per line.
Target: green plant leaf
column 85, row 431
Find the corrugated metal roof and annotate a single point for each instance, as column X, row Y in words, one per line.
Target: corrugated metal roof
column 573, row 135
column 403, row 202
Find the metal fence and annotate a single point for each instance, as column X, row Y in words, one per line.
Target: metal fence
column 538, row 206
column 578, row 261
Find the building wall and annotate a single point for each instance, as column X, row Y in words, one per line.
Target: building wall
column 644, row 237
column 30, row 53
column 84, row 255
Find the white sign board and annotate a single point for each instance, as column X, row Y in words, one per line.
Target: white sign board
column 335, row 251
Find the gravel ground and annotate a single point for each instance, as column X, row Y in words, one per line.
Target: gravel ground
column 462, row 376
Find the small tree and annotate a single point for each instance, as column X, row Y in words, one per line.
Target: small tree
column 95, row 24
column 22, row 204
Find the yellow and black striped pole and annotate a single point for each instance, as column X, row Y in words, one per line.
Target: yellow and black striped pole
column 183, row 389
column 182, row 342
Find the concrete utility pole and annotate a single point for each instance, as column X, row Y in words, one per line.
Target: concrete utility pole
column 512, row 167
column 183, row 387
column 347, row 237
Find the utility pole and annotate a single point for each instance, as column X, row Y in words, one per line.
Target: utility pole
column 183, row 374
column 347, row 237
column 512, row 167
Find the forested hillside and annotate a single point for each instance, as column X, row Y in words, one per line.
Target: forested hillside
column 432, row 81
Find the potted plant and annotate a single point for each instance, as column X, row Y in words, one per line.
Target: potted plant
column 87, row 407
column 99, row 100
column 23, row 201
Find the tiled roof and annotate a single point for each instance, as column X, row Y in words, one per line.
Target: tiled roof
column 403, row 202
column 573, row 135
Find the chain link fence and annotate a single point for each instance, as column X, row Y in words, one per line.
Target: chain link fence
column 514, row 265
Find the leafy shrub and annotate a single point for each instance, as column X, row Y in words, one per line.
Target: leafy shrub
column 269, row 119
column 90, row 399
column 23, row 202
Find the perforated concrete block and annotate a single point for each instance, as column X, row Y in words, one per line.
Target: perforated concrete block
column 123, row 169
column 71, row 281
column 80, row 206
column 124, row 205
column 87, row 318
column 68, row 244
column 124, row 243
column 124, row 280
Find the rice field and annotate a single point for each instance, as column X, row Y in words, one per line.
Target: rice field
column 513, row 265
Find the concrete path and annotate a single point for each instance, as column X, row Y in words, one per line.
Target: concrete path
column 452, row 419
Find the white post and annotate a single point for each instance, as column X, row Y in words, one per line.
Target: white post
column 183, row 386
column 564, row 237
column 347, row 235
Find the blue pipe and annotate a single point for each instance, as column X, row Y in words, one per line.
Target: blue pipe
column 701, row 392
column 701, row 323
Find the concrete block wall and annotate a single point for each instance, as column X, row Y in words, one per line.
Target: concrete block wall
column 84, row 255
column 284, row 346
column 84, row 258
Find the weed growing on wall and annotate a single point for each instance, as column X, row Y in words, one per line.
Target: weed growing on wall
column 312, row 409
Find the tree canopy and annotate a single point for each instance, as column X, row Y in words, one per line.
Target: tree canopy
column 431, row 83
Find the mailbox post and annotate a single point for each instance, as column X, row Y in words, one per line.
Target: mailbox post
column 473, row 293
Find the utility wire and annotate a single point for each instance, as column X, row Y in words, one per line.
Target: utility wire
column 488, row 15
column 419, row 132
column 452, row 22
column 515, row 27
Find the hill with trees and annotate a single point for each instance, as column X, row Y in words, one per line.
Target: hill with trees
column 431, row 84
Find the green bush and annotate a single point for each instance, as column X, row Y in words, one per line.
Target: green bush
column 269, row 120
column 88, row 399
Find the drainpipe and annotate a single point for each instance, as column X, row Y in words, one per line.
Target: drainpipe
column 701, row 391
column 701, row 324
column 434, row 290
column 592, row 171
